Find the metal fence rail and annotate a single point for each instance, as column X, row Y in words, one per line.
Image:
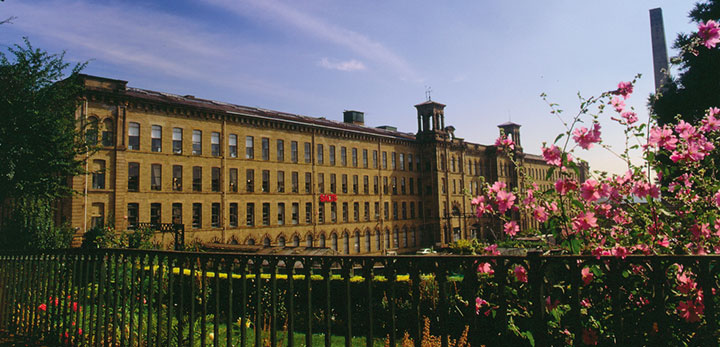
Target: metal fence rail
column 153, row 298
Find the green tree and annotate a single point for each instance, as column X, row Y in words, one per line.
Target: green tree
column 40, row 144
column 697, row 86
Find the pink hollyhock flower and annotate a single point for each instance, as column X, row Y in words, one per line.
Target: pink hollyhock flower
column 624, row 89
column 630, row 117
column 504, row 141
column 686, row 284
column 662, row 137
column 498, row 186
column 690, row 311
column 485, row 268
column 585, row 138
column 551, row 305
column 587, row 275
column 505, row 201
column 492, row 249
column 685, row 130
column 709, row 33
column 716, row 198
column 589, row 337
column 479, row 303
column 710, row 123
column 620, row 252
column 585, row 221
column 564, row 185
column 700, row 230
column 585, row 303
column 477, row 200
column 589, row 190
column 618, row 103
column 552, row 155
column 664, row 242
column 42, row 307
column 521, row 274
column 483, row 208
column 539, row 214
column 511, row 228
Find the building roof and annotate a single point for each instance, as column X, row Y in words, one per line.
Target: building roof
column 430, row 102
column 509, row 124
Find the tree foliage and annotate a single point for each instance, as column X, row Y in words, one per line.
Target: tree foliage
column 40, row 143
column 697, row 86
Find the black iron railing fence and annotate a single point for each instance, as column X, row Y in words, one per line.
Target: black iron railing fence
column 139, row 298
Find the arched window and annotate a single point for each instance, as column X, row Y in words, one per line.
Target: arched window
column 266, row 242
column 296, row 241
column 387, row 239
column 378, row 240
column 346, row 243
column 396, row 238
column 281, row 241
column 322, row 240
column 357, row 242
column 334, row 242
column 309, row 241
column 368, row 236
column 251, row 242
column 405, row 237
column 413, row 237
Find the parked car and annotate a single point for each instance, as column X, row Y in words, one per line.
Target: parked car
column 423, row 251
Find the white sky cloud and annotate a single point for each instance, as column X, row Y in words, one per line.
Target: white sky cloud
column 349, row 65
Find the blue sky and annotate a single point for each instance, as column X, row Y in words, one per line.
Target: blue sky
column 487, row 60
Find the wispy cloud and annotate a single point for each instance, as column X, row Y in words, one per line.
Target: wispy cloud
column 294, row 19
column 141, row 39
column 350, row 65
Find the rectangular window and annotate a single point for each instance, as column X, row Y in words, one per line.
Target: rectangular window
column 233, row 214
column 345, row 212
column 265, row 145
column 215, row 144
column 308, row 182
column 394, row 185
column 294, row 151
column 402, row 161
column 280, row 150
column 332, row 184
column 308, row 212
column 250, row 180
column 393, row 161
column 367, row 211
column 409, row 161
column 177, row 213
column 412, row 209
column 266, row 213
column 376, row 183
column 133, row 177
column 354, row 157
column 98, row 175
column 197, row 178
column 281, row 181
column 404, row 210
column 377, row 210
column 411, row 185
column 356, row 211
column 366, row 184
column 281, row 213
column 321, row 183
column 155, row 177
column 265, row 181
column 232, row 146
column 250, row 214
column 308, row 153
column 332, row 155
column 386, row 210
column 343, row 156
column 375, row 159
column 320, row 154
column 132, row 215
column 420, row 209
column 215, row 179
column 395, row 210
column 402, row 186
column 177, row 181
column 156, row 138
column 197, row 142
column 385, row 185
column 177, row 140
column 97, row 219
column 321, row 213
column 249, row 147
column 365, row 158
column 355, row 184
column 233, row 180
column 197, row 215
column 134, row 137
column 444, row 186
column 384, row 160
column 344, row 184
column 333, row 211
column 295, row 213
column 155, row 213
column 295, row 184
column 215, row 215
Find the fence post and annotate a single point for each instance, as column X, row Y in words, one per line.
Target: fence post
column 539, row 327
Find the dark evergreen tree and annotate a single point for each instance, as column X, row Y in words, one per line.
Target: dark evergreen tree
column 41, row 146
